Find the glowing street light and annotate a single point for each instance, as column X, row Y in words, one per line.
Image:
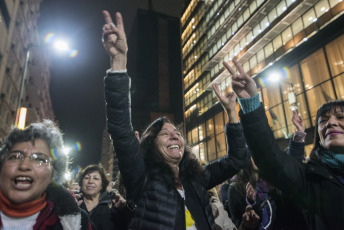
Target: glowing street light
column 276, row 76
column 66, row 150
column 58, row 45
column 61, row 45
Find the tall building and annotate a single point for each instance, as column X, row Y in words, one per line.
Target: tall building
column 300, row 41
column 154, row 64
column 18, row 36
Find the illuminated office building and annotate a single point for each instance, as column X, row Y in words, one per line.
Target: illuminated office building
column 301, row 41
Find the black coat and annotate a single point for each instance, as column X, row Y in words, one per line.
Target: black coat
column 105, row 216
column 312, row 186
column 159, row 206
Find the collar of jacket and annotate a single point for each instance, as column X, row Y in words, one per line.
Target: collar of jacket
column 64, row 206
column 316, row 167
column 62, row 203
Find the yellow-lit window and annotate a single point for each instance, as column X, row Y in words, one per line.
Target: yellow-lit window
column 210, row 127
column 333, row 3
column 256, row 30
column 272, row 15
column 246, row 14
column 268, row 49
column 264, row 23
column 309, row 17
column 221, row 145
column 253, row 61
column 335, row 54
column 287, row 35
column 249, row 37
column 260, row 55
column 281, row 7
column 321, row 7
column 253, row 6
column 297, row 26
column 211, row 149
column 219, row 123
column 277, row 42
column 314, row 69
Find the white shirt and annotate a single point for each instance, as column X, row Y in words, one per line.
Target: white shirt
column 22, row 223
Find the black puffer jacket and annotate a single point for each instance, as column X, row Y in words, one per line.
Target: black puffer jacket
column 105, row 216
column 159, row 206
column 313, row 186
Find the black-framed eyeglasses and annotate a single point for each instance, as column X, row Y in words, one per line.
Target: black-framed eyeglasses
column 36, row 159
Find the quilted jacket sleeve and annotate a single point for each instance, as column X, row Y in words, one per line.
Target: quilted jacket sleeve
column 131, row 164
column 222, row 169
column 282, row 170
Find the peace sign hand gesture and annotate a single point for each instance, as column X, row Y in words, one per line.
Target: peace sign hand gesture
column 243, row 85
column 115, row 41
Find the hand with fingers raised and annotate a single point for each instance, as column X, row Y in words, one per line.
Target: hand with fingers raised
column 115, row 41
column 228, row 102
column 298, row 122
column 243, row 85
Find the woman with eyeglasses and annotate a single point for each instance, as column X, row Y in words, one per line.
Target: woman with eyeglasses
column 30, row 160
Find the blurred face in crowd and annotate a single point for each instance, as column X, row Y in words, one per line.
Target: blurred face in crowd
column 26, row 171
column 331, row 130
column 170, row 144
column 92, row 183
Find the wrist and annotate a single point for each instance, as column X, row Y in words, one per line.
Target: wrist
column 118, row 64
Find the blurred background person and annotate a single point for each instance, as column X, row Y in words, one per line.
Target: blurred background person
column 97, row 202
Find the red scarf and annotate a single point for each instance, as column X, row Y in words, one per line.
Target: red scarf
column 21, row 210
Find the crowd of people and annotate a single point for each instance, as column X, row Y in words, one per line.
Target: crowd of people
column 162, row 184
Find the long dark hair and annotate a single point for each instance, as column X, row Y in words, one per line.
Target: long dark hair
column 245, row 175
column 325, row 108
column 155, row 163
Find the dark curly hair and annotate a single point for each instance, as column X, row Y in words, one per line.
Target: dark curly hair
column 46, row 131
column 94, row 168
column 155, row 164
column 325, row 108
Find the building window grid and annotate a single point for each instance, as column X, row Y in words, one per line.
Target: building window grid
column 283, row 40
column 269, row 47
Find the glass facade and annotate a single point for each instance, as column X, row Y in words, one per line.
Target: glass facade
column 235, row 29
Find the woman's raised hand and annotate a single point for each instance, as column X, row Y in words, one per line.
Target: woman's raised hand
column 243, row 85
column 115, row 41
column 228, row 102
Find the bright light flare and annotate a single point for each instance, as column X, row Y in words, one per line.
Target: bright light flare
column 61, row 45
column 66, row 150
column 274, row 77
column 68, row 176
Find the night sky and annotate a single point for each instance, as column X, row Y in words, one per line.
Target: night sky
column 77, row 83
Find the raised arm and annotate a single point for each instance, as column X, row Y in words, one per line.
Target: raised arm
column 117, row 96
column 115, row 41
column 228, row 166
column 282, row 170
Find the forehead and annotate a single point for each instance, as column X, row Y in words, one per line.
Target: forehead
column 93, row 173
column 38, row 145
column 333, row 110
column 168, row 126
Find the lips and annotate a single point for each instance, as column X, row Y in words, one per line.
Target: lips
column 333, row 132
column 173, row 147
column 23, row 182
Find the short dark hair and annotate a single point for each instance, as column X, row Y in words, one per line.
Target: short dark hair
column 323, row 109
column 45, row 130
column 94, row 168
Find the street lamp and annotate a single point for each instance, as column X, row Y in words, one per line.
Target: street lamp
column 276, row 77
column 21, row 112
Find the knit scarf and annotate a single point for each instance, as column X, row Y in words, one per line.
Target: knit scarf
column 21, row 210
column 331, row 159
